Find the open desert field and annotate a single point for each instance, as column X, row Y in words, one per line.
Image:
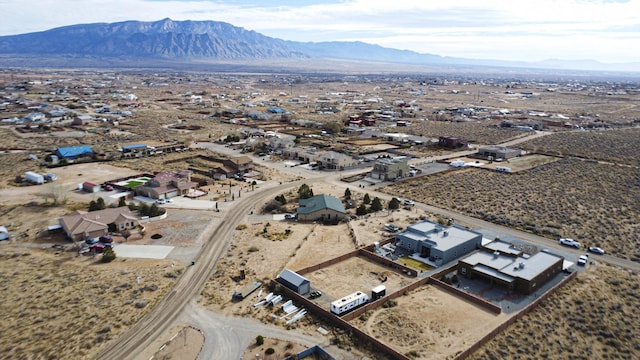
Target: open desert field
column 619, row 146
column 593, row 317
column 57, row 305
column 594, row 203
column 60, row 306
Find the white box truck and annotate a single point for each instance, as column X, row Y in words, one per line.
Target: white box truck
column 34, row 177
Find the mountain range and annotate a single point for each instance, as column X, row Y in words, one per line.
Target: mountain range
column 201, row 41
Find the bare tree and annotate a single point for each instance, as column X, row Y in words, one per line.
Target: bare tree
column 56, row 193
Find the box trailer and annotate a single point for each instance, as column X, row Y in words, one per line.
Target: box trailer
column 34, row 177
column 378, row 292
column 349, row 303
column 246, row 291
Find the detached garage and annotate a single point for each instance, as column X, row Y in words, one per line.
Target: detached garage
column 295, row 282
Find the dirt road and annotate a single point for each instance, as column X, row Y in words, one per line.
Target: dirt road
column 216, row 236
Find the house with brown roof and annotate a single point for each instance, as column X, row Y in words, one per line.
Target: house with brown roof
column 81, row 225
column 239, row 164
column 167, row 184
column 228, row 167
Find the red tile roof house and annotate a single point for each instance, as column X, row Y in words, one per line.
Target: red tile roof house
column 81, row 225
column 167, row 185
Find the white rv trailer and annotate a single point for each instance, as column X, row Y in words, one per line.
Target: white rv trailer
column 349, row 302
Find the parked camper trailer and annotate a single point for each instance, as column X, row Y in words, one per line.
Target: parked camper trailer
column 503, row 169
column 349, row 302
column 34, row 177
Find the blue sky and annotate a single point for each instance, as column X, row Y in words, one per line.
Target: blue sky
column 529, row 30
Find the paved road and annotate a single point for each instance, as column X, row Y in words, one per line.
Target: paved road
column 232, row 334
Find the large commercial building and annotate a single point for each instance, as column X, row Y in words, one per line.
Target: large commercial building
column 438, row 243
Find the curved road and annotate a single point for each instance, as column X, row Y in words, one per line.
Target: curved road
column 137, row 338
column 140, row 336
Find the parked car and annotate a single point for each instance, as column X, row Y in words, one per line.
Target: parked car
column 582, row 260
column 596, row 250
column 315, row 294
column 161, row 201
column 107, row 187
column 391, row 227
column 408, row 202
column 570, row 242
column 289, row 216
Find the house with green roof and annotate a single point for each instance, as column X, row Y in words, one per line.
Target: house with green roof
column 324, row 208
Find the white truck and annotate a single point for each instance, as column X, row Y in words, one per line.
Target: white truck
column 34, row 177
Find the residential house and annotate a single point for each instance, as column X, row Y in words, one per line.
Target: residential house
column 438, row 243
column 390, row 168
column 450, row 142
column 74, row 152
column 498, row 152
column 513, row 270
column 321, row 207
column 333, row 160
column 167, row 184
column 82, row 225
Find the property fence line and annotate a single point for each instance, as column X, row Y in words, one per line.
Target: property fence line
column 478, row 344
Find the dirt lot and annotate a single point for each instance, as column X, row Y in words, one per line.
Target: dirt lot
column 429, row 323
column 59, row 306
column 593, row 317
column 596, row 203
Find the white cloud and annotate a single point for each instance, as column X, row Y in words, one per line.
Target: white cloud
column 608, row 31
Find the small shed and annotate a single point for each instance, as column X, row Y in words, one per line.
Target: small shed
column 295, row 282
column 90, row 187
column 378, row 292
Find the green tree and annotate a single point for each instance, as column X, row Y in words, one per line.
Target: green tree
column 281, row 199
column 144, row 209
column 361, row 210
column 347, row 194
column 376, row 204
column 394, row 204
column 122, row 202
column 367, row 199
column 154, row 210
column 93, row 206
column 101, row 204
column 259, row 340
column 305, row 192
column 108, row 255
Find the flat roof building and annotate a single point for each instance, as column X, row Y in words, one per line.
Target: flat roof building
column 522, row 273
column 438, row 243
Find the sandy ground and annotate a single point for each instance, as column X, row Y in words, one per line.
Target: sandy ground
column 185, row 344
column 59, row 306
column 429, row 323
column 593, row 317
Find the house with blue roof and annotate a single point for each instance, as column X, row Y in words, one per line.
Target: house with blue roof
column 74, row 152
column 324, row 208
